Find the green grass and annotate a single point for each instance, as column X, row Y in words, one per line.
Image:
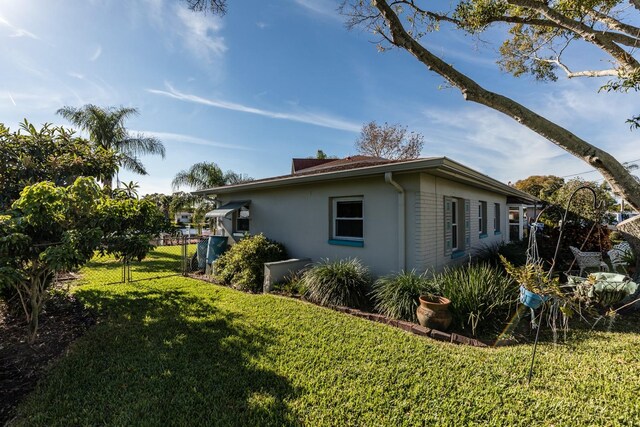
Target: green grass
column 178, row 351
column 161, row 262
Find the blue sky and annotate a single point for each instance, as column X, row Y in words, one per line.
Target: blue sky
column 273, row 80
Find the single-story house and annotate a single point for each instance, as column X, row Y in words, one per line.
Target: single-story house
column 183, row 217
column 392, row 215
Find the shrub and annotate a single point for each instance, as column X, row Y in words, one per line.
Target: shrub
column 292, row 284
column 242, row 266
column 479, row 293
column 344, row 282
column 514, row 252
column 397, row 295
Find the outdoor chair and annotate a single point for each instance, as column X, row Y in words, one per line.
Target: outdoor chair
column 617, row 255
column 588, row 260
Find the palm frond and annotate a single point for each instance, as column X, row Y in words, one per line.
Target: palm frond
column 199, row 176
column 133, row 164
column 141, row 145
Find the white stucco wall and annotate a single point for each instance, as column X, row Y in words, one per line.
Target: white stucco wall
column 300, row 218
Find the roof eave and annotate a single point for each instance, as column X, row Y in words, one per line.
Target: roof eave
column 447, row 167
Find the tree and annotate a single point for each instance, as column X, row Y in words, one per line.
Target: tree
column 542, row 34
column 199, row 176
column 106, row 129
column 52, row 228
column 389, row 142
column 541, row 186
column 51, row 153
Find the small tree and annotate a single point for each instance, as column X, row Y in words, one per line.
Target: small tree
column 52, row 229
column 389, row 142
column 542, row 186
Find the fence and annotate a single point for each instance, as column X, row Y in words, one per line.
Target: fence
column 167, row 259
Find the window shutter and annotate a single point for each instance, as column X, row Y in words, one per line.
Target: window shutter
column 447, row 225
column 467, row 223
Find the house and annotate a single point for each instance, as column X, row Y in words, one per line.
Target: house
column 182, row 217
column 392, row 215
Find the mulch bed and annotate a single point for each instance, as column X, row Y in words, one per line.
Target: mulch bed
column 22, row 365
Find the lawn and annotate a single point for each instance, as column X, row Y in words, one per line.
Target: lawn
column 179, row 351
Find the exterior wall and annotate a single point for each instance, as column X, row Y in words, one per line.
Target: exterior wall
column 300, row 218
column 429, row 249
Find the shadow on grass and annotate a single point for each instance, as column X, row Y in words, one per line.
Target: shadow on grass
column 164, row 357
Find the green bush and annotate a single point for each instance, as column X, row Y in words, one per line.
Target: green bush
column 292, row 284
column 479, row 294
column 397, row 295
column 344, row 282
column 242, row 266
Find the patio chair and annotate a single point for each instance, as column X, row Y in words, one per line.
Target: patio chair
column 617, row 254
column 588, row 260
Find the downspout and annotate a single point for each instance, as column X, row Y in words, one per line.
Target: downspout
column 388, row 178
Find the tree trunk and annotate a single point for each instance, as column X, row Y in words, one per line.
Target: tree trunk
column 35, row 310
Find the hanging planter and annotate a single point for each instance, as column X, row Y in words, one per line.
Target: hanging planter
column 531, row 299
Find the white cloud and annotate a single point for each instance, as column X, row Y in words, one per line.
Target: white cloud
column 317, row 119
column 200, row 33
column 320, row 7
column 188, row 139
column 15, row 31
column 96, row 54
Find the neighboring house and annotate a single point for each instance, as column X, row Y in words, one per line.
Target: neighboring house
column 183, row 217
column 392, row 215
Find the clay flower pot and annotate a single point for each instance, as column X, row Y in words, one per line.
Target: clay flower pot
column 433, row 312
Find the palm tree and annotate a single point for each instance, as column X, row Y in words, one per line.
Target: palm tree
column 105, row 127
column 199, row 176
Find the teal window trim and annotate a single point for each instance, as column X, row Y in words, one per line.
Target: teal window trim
column 457, row 254
column 497, row 233
column 484, row 235
column 352, row 243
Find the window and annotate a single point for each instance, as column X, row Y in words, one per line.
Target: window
column 496, row 218
column 482, row 219
column 454, row 225
column 348, row 218
column 241, row 217
column 457, row 237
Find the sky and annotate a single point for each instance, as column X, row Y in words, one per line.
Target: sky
column 277, row 79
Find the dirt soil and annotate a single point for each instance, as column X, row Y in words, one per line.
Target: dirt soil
column 22, row 365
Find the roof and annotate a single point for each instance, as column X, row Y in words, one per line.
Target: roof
column 299, row 164
column 363, row 166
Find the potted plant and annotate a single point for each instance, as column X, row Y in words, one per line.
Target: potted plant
column 433, row 312
column 536, row 286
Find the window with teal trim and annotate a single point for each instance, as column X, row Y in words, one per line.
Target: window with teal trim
column 348, row 218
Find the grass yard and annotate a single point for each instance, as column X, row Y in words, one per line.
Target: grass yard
column 178, row 351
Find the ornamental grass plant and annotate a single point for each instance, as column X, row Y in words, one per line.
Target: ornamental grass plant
column 397, row 295
column 480, row 295
column 344, row 282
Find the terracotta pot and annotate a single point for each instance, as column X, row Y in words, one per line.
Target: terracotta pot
column 433, row 312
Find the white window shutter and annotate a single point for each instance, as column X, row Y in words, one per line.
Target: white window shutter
column 447, row 225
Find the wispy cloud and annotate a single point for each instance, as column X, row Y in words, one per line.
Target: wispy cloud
column 16, row 31
column 11, row 98
column 200, row 33
column 96, row 54
column 188, row 139
column 320, row 7
column 317, row 119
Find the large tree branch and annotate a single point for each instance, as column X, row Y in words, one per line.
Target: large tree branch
column 614, row 24
column 631, row 38
column 614, row 172
column 601, row 40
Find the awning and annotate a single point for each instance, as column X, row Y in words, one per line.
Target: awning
column 225, row 210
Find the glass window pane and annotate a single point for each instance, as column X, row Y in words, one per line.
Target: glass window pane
column 349, row 209
column 349, row 228
column 242, row 224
